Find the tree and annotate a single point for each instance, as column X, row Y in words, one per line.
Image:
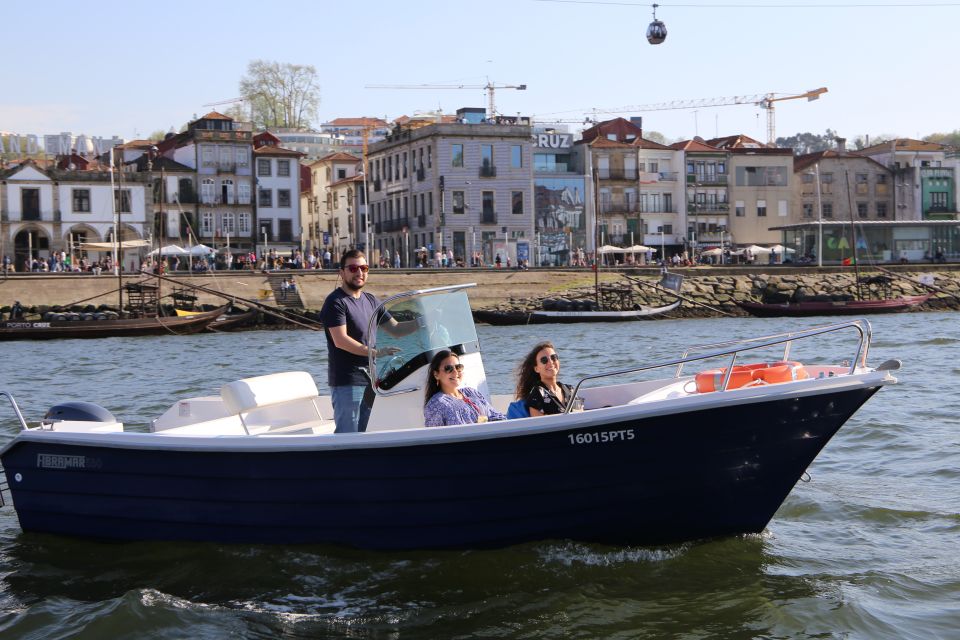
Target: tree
column 655, row 136
column 951, row 139
column 281, row 94
column 803, row 143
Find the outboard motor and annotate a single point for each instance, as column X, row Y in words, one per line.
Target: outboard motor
column 80, row 416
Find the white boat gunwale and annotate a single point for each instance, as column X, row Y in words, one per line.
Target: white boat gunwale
column 405, row 437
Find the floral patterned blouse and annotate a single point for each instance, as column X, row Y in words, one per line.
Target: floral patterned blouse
column 443, row 409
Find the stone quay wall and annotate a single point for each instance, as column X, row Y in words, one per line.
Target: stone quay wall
column 718, row 287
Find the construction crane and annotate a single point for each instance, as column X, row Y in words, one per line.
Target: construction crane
column 489, row 87
column 763, row 100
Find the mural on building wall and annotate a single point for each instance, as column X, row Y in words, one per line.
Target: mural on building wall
column 560, row 219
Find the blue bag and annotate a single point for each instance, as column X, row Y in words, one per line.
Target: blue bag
column 517, row 409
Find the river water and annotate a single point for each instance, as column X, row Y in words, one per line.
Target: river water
column 867, row 549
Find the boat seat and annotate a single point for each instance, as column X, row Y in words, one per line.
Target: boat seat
column 277, row 403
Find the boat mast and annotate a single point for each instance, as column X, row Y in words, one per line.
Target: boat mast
column 116, row 236
column 596, row 239
column 853, row 234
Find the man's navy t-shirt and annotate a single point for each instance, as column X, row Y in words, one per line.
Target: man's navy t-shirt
column 340, row 308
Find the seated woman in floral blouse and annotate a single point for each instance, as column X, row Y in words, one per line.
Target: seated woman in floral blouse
column 446, row 402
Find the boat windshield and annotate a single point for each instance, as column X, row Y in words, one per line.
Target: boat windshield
column 442, row 320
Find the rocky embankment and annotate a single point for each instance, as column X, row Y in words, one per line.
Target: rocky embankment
column 707, row 295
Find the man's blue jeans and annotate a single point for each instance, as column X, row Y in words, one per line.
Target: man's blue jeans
column 349, row 411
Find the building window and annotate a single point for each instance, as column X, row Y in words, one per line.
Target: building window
column 242, row 157
column 488, row 215
column 741, row 209
column 827, row 210
column 208, row 191
column 668, row 229
column 881, row 209
column 225, row 157
column 516, row 156
column 486, row 155
column 226, row 223
column 243, row 226
column 516, row 199
column 761, row 208
column 456, row 151
column 283, row 168
column 81, row 200
column 243, row 193
column 862, row 184
column 458, row 204
column 283, row 197
column 341, row 174
column 263, row 167
column 761, row 176
column 265, row 198
column 207, row 156
column 121, row 200
column 807, row 210
column 206, row 223
column 861, row 209
column 429, row 157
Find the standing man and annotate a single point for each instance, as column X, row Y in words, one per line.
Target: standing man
column 346, row 315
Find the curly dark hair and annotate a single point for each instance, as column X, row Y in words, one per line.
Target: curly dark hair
column 432, row 385
column 527, row 378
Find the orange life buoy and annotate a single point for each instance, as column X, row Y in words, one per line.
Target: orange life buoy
column 782, row 372
column 748, row 374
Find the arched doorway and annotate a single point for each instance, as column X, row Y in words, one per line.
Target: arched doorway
column 28, row 244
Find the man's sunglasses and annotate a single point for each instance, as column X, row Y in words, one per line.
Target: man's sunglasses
column 448, row 368
column 546, row 359
column 353, row 268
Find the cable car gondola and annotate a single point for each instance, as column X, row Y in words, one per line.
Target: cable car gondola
column 657, row 31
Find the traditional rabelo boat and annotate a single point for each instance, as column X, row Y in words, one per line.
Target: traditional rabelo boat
column 651, row 460
column 143, row 318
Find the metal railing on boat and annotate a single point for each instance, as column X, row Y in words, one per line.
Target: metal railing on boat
column 16, row 409
column 719, row 349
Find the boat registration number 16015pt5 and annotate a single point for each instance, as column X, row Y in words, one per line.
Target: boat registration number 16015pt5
column 601, row 437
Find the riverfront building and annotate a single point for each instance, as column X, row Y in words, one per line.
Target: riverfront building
column 465, row 187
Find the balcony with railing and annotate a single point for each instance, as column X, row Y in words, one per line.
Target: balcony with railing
column 390, row 226
column 713, row 207
column 619, row 207
column 488, row 217
column 226, row 168
column 617, row 174
column 488, row 171
column 707, row 178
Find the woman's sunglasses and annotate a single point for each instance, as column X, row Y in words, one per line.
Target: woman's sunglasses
column 448, row 368
column 546, row 359
column 353, row 268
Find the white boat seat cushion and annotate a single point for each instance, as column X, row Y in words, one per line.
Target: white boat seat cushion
column 245, row 395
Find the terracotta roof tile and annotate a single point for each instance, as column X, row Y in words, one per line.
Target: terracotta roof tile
column 357, row 122
column 693, row 145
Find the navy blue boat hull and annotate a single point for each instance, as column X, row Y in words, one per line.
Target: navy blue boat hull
column 655, row 480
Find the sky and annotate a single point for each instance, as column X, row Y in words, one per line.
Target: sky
column 131, row 68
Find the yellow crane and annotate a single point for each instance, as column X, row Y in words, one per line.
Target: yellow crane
column 489, row 87
column 763, row 100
